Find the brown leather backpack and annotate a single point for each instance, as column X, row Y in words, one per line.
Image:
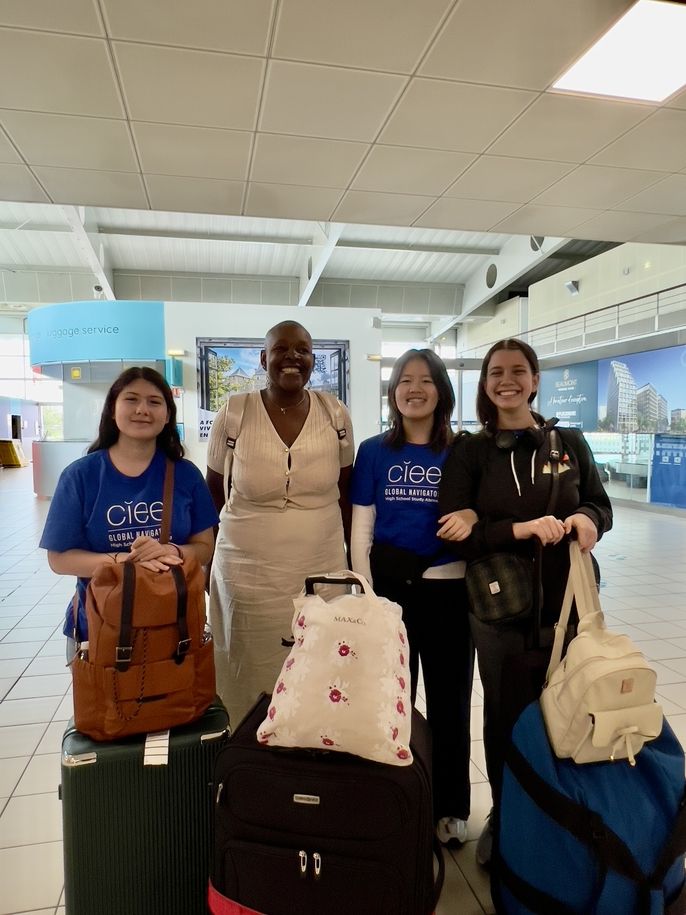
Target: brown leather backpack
column 149, row 664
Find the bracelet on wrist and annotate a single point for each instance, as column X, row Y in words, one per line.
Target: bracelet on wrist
column 177, row 548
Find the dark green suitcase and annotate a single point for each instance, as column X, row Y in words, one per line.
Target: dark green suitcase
column 137, row 835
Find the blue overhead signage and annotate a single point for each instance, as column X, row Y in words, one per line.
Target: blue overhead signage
column 570, row 393
column 668, row 477
column 98, row 330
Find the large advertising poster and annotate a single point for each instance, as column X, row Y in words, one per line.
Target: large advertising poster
column 570, row 393
column 639, row 392
column 643, row 392
column 232, row 365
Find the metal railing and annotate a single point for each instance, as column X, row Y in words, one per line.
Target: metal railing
column 643, row 316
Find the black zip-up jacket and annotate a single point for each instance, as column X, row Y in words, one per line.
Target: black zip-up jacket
column 497, row 484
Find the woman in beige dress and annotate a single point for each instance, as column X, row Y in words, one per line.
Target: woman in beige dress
column 284, row 518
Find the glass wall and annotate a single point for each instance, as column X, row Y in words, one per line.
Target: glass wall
column 21, row 387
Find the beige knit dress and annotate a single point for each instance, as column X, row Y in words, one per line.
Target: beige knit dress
column 282, row 523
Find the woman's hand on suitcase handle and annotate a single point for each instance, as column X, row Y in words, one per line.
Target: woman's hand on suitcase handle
column 585, row 530
column 548, row 529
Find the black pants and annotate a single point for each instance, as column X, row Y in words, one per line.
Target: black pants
column 436, row 619
column 496, row 651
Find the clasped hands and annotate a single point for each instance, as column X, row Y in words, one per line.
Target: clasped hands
column 153, row 555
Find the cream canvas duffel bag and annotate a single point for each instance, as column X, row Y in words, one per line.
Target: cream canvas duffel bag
column 599, row 701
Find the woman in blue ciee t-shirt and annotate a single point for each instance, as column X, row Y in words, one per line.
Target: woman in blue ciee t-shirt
column 395, row 544
column 107, row 505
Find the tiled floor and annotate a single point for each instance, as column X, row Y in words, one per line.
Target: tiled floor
column 644, row 594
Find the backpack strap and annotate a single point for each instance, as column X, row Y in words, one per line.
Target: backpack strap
column 167, row 501
column 334, row 408
column 233, row 420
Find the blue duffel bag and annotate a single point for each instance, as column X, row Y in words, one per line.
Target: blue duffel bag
column 603, row 838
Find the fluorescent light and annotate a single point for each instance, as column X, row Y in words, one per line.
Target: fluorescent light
column 641, row 57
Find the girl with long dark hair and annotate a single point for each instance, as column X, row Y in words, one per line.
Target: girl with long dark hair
column 107, row 505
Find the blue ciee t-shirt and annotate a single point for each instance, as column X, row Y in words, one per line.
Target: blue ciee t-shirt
column 402, row 483
column 98, row 508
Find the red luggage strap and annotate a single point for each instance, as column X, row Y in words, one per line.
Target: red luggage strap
column 220, row 905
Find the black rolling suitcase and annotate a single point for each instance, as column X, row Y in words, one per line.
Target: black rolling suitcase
column 137, row 819
column 314, row 832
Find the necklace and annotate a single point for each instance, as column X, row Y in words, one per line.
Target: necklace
column 291, row 406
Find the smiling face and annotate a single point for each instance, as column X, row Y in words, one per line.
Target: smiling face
column 287, row 357
column 510, row 385
column 416, row 396
column 140, row 411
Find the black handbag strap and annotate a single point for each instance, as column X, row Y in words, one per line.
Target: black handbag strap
column 554, row 456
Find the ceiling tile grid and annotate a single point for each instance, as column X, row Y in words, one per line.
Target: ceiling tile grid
column 384, row 112
column 229, row 117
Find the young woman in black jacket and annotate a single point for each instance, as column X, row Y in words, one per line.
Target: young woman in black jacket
column 503, row 473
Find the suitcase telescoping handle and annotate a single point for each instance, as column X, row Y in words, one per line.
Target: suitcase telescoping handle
column 335, row 578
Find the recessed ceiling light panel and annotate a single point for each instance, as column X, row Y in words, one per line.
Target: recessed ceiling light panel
column 641, row 57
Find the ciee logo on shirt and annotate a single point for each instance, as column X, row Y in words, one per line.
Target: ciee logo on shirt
column 413, row 474
column 134, row 514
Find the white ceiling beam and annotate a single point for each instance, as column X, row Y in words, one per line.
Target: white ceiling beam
column 517, row 256
column 85, row 232
column 33, row 227
column 316, row 260
column 203, row 236
column 424, row 249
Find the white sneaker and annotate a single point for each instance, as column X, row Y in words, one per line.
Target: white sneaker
column 450, row 829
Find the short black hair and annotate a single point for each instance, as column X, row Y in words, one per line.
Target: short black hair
column 108, row 433
column 441, row 433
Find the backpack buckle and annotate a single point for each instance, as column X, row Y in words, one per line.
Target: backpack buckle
column 122, row 656
column 182, row 650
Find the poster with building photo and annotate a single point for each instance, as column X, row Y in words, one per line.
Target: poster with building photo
column 643, row 392
column 232, row 365
column 570, row 392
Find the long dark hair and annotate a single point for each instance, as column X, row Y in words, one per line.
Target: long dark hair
column 486, row 410
column 441, row 433
column 168, row 440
